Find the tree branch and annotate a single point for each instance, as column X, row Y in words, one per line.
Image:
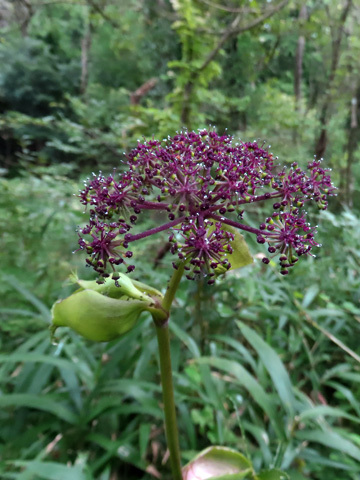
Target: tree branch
column 136, row 96
column 235, row 29
column 228, row 9
column 101, row 12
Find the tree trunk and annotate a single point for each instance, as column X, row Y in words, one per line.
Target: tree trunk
column 23, row 13
column 186, row 106
column 298, row 73
column 85, row 49
column 353, row 142
column 337, row 35
column 299, row 58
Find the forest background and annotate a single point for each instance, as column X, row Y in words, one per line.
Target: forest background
column 80, row 82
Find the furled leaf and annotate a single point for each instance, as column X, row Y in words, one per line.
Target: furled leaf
column 95, row 316
column 218, row 463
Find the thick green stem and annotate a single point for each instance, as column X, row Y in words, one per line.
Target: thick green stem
column 172, row 434
column 162, row 331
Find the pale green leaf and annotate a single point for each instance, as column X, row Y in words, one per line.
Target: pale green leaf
column 240, row 257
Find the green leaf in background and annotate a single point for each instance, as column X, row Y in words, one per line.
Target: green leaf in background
column 39, row 358
column 272, row 475
column 28, row 295
column 52, row 470
column 45, row 403
column 218, row 463
column 256, row 391
column 273, row 364
column 318, row 411
column 330, row 439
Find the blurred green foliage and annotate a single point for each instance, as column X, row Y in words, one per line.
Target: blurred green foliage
column 264, row 364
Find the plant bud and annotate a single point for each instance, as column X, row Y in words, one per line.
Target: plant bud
column 95, row 316
column 105, row 312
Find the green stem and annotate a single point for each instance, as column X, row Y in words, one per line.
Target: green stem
column 172, row 287
column 162, row 331
column 172, row 434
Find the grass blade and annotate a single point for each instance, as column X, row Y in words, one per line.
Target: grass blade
column 273, row 365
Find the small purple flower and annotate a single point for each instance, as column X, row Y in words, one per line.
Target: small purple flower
column 204, row 247
column 202, row 182
column 290, row 236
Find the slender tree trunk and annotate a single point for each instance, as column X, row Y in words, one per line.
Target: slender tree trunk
column 337, row 36
column 23, row 12
column 85, row 49
column 299, row 57
column 353, row 142
column 186, row 107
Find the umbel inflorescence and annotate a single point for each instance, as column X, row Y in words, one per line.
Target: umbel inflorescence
column 202, row 182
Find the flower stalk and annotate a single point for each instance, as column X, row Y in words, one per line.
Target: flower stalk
column 163, row 337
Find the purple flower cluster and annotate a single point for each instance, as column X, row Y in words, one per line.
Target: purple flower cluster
column 196, row 179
